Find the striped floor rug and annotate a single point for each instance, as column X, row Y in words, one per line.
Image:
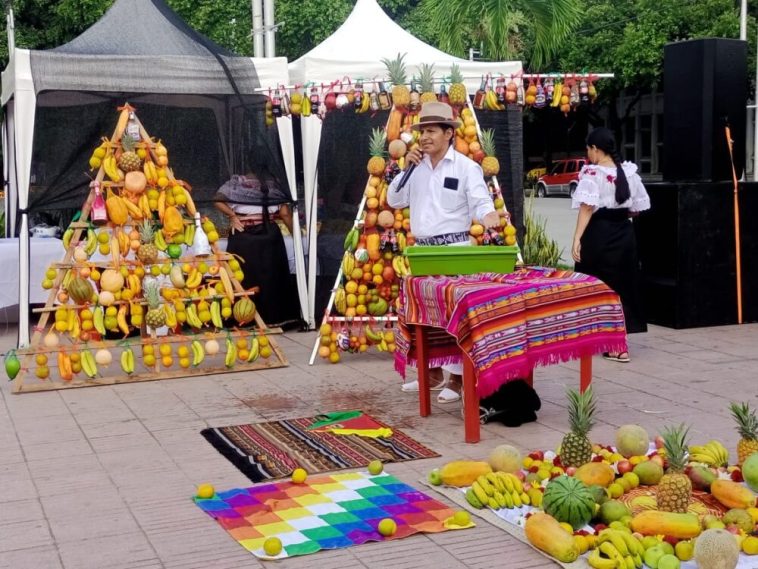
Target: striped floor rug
column 266, row 451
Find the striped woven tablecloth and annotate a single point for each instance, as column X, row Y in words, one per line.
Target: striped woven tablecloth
column 509, row 323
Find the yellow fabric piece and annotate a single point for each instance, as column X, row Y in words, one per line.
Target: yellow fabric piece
column 383, row 433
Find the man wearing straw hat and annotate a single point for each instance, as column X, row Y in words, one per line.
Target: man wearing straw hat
column 446, row 192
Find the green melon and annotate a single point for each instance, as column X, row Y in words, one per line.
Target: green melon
column 569, row 500
column 632, row 440
column 750, row 471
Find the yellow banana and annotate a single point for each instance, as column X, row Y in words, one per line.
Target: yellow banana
column 484, row 483
column 507, row 482
column 612, row 553
column 71, row 322
column 160, row 241
column 194, row 278
column 192, row 317
column 127, row 361
column 508, row 500
column 170, row 315
column 190, row 205
column 340, row 300
column 500, row 500
column 231, row 353
column 480, row 493
column 373, row 336
column 121, row 319
column 632, row 543
column 148, row 173
column 597, row 562
column 617, row 540
column 144, row 205
column 516, row 499
column 132, row 208
column 254, row 350
column 162, row 205
column 98, row 320
column 218, row 322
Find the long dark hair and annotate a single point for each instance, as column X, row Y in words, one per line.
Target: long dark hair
column 603, row 139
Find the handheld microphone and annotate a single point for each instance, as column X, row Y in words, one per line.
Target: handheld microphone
column 406, row 176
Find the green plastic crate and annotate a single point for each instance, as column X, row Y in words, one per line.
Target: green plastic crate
column 446, row 260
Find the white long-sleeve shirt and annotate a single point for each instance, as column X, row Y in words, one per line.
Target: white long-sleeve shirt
column 435, row 209
column 597, row 187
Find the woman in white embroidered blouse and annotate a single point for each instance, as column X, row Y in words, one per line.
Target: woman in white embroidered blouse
column 609, row 193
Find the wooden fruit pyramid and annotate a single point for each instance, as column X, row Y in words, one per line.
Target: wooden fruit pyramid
column 362, row 310
column 131, row 301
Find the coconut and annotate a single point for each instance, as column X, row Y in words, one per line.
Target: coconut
column 632, row 440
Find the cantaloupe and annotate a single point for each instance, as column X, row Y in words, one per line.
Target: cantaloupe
column 716, row 549
column 505, row 458
column 385, row 219
column 632, row 440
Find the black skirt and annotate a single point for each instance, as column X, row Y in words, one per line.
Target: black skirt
column 266, row 266
column 609, row 252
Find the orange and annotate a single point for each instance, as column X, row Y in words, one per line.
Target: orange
column 351, row 300
column 324, row 351
column 334, row 357
column 165, row 349
column 149, row 360
column 325, row 330
column 263, row 341
column 167, row 361
column 351, row 287
column 265, row 352
column 377, row 279
column 243, row 354
column 184, row 362
column 241, row 343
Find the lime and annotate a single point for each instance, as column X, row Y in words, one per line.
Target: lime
column 205, row 491
column 174, row 251
column 461, row 518
column 299, row 475
column 375, row 467
column 387, row 527
column 272, row 546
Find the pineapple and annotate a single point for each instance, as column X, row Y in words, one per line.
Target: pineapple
column 401, row 96
column 675, row 488
column 426, row 78
column 490, row 164
column 376, row 143
column 576, row 448
column 129, row 161
column 156, row 316
column 147, row 252
column 747, row 426
column 457, row 93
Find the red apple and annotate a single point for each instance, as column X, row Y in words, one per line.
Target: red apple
column 597, row 458
column 537, row 455
column 658, row 441
column 657, row 458
column 571, row 470
column 599, row 528
column 671, row 539
column 736, row 476
column 534, row 468
column 557, row 461
column 624, row 466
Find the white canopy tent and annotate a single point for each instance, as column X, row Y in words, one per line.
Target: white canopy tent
column 355, row 50
column 139, row 46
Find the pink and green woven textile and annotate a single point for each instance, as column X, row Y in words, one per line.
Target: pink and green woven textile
column 508, row 324
column 326, row 512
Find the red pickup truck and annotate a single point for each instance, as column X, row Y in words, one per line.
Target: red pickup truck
column 562, row 179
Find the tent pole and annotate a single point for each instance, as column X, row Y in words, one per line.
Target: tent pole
column 258, row 30
column 270, row 25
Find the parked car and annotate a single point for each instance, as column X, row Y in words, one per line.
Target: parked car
column 562, row 179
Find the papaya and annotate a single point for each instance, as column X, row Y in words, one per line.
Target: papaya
column 546, row 534
column 593, row 473
column 394, row 124
column 463, row 472
column 733, row 495
column 655, row 522
column 172, row 221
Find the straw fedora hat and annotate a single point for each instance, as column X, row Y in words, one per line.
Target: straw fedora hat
column 436, row 113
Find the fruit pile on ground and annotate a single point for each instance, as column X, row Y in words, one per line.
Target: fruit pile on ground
column 657, row 504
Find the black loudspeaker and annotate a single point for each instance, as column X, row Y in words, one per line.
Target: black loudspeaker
column 687, row 254
column 705, row 87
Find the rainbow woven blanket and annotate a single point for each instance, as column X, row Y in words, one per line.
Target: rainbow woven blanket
column 325, row 512
column 508, row 324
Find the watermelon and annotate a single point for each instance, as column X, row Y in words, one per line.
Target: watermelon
column 569, row 500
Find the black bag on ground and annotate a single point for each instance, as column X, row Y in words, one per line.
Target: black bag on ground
column 515, row 403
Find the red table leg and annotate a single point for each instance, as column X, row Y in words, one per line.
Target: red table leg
column 470, row 401
column 585, row 372
column 529, row 379
column 424, row 394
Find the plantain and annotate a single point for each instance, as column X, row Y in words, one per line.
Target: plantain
column 121, row 319
column 218, row 322
column 127, row 361
column 231, row 353
column 198, row 353
column 98, row 320
column 255, row 350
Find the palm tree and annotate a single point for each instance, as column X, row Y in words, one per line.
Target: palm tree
column 499, row 26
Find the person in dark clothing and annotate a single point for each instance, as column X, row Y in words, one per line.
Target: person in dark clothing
column 609, row 193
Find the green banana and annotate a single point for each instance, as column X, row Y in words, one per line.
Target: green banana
column 231, row 353
column 218, row 322
column 98, row 320
column 127, row 361
column 189, row 234
column 351, row 240
column 198, row 353
column 160, row 241
column 255, row 350
column 473, row 500
column 88, row 364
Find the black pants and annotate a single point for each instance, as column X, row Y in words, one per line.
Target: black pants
column 266, row 266
column 609, row 252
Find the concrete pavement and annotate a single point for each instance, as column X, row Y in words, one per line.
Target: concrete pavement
column 102, row 477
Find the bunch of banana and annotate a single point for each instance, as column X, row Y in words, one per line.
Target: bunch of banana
column 365, row 104
column 91, row 245
column 231, row 353
column 121, row 319
column 373, row 337
column 171, row 321
column 98, row 320
column 198, row 353
column 192, row 317
column 134, row 284
column 348, row 264
column 123, row 243
column 144, row 205
column 194, row 278
column 216, row 318
column 499, row 490
column 399, row 265
column 73, row 324
column 401, row 241
column 713, row 453
column 151, row 172
column 557, row 92
column 65, row 367
column 382, row 345
column 160, row 241
column 134, row 210
column 255, row 350
column 110, row 166
column 68, row 235
column 189, row 234
column 351, row 239
column 490, row 101
column 127, row 361
column 617, row 549
column 340, row 300
column 382, row 194
column 89, row 366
